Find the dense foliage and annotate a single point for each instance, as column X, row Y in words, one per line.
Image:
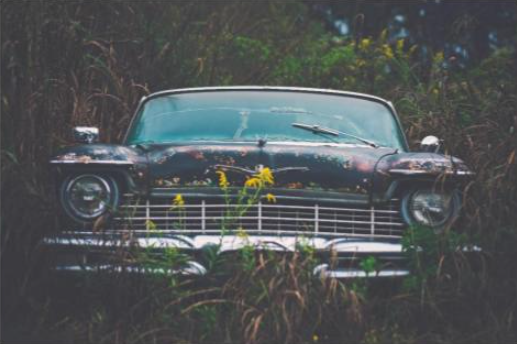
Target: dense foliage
column 88, row 63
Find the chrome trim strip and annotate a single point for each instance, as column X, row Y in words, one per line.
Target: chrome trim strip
column 316, row 220
column 324, row 272
column 269, row 206
column 372, row 221
column 348, row 249
column 463, row 173
column 217, row 233
column 147, row 215
column 232, row 242
column 404, row 171
column 268, row 88
column 347, row 245
column 203, row 216
column 213, row 192
column 99, row 242
column 92, row 161
column 195, row 269
column 259, row 215
column 192, row 268
column 418, row 172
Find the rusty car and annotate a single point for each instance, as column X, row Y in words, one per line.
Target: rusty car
column 345, row 181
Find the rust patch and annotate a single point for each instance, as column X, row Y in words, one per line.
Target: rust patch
column 196, row 154
column 294, row 185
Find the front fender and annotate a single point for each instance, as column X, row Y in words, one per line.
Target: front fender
column 128, row 165
column 404, row 171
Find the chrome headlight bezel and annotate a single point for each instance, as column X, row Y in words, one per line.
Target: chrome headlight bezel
column 106, row 184
column 446, row 203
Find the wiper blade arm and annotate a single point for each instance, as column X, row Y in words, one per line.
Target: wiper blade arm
column 317, row 129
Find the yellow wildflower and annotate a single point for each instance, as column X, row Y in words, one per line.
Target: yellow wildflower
column 150, row 225
column 263, row 178
column 400, row 45
column 438, row 57
column 223, row 181
column 365, row 43
column 241, row 233
column 387, row 51
column 266, row 176
column 271, row 198
column 253, row 182
column 384, row 34
column 178, row 201
column 315, row 338
column 412, row 49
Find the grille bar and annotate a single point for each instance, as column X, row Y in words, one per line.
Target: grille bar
column 262, row 232
column 282, row 206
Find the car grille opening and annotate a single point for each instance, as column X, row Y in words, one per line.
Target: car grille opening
column 287, row 216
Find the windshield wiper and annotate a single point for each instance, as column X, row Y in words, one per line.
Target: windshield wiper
column 317, row 129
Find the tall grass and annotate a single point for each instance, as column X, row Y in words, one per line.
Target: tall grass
column 88, row 63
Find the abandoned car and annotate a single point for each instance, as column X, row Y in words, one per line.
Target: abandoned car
column 342, row 180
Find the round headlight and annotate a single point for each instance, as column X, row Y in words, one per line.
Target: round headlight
column 431, row 208
column 88, row 196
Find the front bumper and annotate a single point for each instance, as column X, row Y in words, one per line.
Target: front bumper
column 340, row 258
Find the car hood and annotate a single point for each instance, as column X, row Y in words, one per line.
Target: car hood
column 319, row 167
column 363, row 173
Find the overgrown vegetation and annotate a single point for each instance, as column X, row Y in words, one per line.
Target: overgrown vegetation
column 88, row 63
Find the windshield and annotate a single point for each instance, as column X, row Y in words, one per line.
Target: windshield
column 244, row 116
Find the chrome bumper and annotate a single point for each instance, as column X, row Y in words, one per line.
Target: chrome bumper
column 346, row 252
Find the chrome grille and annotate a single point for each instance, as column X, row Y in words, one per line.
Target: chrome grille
column 305, row 216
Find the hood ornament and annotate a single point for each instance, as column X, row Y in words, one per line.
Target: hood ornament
column 259, row 168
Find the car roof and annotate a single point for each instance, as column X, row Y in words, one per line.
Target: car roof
column 268, row 88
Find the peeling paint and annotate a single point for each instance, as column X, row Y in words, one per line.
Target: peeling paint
column 347, row 169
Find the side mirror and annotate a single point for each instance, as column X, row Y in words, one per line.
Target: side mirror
column 86, row 134
column 430, row 144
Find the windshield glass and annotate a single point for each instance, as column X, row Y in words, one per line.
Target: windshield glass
column 241, row 116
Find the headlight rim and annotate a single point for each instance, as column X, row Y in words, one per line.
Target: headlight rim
column 76, row 215
column 452, row 215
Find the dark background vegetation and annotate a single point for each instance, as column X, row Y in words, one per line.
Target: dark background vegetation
column 450, row 68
